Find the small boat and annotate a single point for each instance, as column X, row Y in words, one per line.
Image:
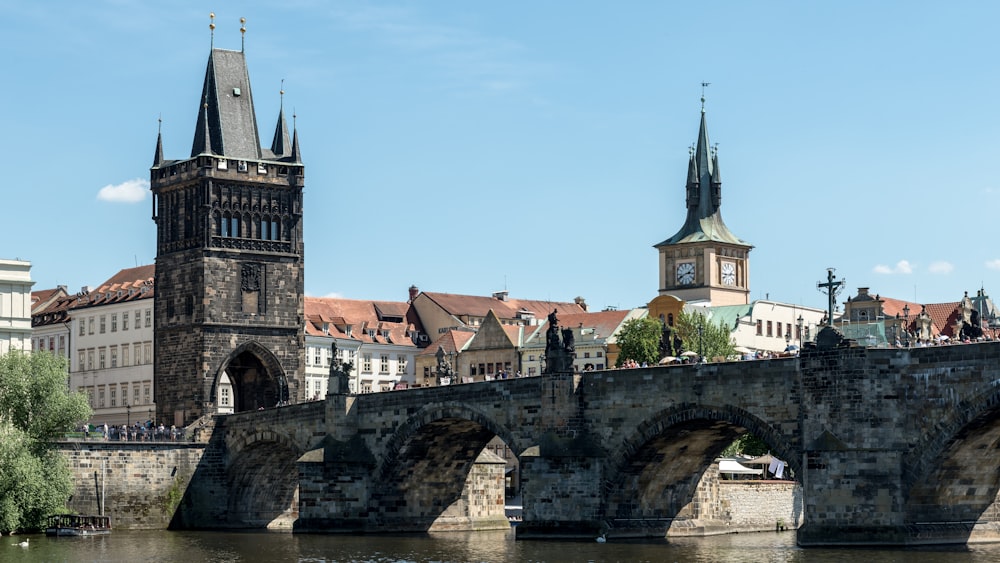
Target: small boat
column 78, row 525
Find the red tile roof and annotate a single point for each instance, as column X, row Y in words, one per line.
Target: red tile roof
column 362, row 316
column 479, row 306
column 452, row 341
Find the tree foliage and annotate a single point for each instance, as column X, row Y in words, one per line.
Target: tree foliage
column 714, row 340
column 747, row 444
column 639, row 340
column 36, row 407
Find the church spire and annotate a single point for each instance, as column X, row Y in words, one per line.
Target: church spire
column 227, row 124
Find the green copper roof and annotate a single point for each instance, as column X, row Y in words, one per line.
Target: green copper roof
column 704, row 198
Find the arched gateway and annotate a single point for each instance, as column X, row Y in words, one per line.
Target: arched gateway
column 251, row 378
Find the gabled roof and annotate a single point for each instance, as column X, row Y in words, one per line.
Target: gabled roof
column 604, row 323
column 479, row 306
column 452, row 341
column 43, row 298
column 943, row 316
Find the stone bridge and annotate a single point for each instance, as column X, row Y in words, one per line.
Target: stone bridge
column 892, row 447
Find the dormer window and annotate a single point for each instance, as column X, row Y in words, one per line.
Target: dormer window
column 326, row 328
column 371, row 333
column 347, row 330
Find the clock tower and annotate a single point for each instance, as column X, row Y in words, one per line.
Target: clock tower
column 704, row 261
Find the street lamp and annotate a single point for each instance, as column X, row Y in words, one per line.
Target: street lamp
column 128, row 414
column 906, row 324
column 799, row 322
column 701, row 343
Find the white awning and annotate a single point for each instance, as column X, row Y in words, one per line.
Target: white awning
column 733, row 466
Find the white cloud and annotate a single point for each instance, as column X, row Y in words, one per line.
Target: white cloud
column 901, row 267
column 993, row 264
column 130, row 191
column 941, row 267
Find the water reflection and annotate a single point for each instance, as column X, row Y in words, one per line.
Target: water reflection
column 222, row 547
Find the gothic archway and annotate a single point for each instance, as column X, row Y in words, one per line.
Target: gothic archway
column 251, row 378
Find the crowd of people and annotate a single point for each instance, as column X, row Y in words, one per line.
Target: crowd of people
column 137, row 432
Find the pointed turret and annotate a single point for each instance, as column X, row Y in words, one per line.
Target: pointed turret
column 280, row 146
column 296, row 155
column 704, row 197
column 158, row 154
column 227, row 124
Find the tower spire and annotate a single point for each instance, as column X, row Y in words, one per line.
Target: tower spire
column 280, row 145
column 158, row 155
column 296, row 156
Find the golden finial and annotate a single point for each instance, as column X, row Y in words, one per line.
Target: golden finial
column 243, row 34
column 211, row 26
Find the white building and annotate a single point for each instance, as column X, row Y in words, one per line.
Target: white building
column 50, row 321
column 15, row 305
column 377, row 337
column 112, row 347
column 766, row 326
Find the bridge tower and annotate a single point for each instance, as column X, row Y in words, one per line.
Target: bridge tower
column 704, row 260
column 228, row 323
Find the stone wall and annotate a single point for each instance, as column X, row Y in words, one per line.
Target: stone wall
column 141, row 483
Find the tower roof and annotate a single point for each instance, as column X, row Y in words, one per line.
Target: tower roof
column 226, row 118
column 704, row 197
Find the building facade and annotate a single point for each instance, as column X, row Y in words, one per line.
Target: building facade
column 15, row 305
column 229, row 257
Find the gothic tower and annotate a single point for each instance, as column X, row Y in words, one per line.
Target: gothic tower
column 703, row 261
column 228, row 323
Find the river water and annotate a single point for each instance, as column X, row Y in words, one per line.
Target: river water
column 219, row 547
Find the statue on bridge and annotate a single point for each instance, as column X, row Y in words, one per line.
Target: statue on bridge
column 559, row 353
column 445, row 373
column 340, row 373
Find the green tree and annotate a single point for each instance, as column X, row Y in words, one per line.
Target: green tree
column 712, row 341
column 747, row 444
column 36, row 407
column 639, row 340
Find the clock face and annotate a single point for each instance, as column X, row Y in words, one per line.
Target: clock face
column 728, row 273
column 685, row 273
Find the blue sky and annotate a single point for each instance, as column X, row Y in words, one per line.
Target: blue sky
column 541, row 147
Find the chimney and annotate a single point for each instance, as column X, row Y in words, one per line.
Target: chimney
column 500, row 295
column 414, row 292
column 581, row 302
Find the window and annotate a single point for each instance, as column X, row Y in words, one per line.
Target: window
column 586, row 354
column 145, row 393
column 788, row 329
column 80, row 360
column 62, row 344
column 366, row 365
column 90, row 325
column 400, row 364
column 124, row 321
column 600, row 354
column 769, row 331
column 114, row 356
column 83, row 327
column 472, row 369
column 135, row 395
column 531, row 357
column 147, row 349
column 114, row 397
column 531, row 371
column 101, row 353
column 779, row 330
column 101, row 395
column 149, row 318
column 103, row 323
column 317, row 356
column 124, row 355
column 383, row 363
column 224, row 396
column 138, row 319
column 760, row 327
column 90, row 397
column 137, row 354
column 114, row 322
column 90, row 362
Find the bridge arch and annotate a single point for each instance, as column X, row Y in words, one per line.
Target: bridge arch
column 262, row 479
column 952, row 475
column 652, row 476
column 422, row 473
column 255, row 377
